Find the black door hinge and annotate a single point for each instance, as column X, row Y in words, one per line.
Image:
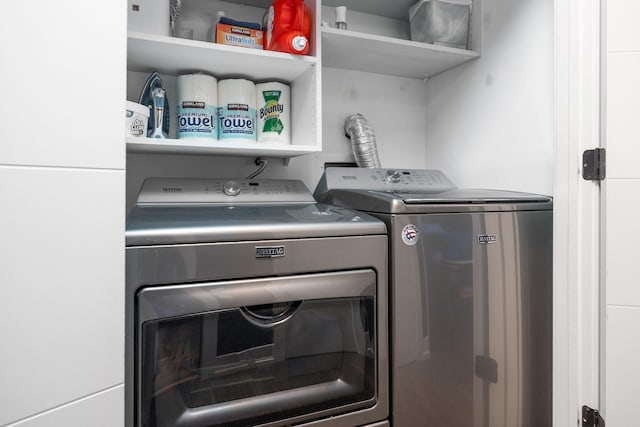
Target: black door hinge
column 487, row 369
column 594, row 164
column 591, row 417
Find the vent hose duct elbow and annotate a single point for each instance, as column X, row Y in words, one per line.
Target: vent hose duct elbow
column 363, row 141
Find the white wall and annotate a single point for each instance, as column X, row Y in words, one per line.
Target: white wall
column 489, row 122
column 97, row 410
column 62, row 189
column 622, row 195
column 394, row 106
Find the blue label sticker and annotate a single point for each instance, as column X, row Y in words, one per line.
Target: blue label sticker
column 410, row 234
column 197, row 121
column 237, row 121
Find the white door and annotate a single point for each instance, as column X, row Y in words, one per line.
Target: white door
column 597, row 290
column 621, row 223
column 577, row 208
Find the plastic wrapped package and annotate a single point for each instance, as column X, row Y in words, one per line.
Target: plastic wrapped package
column 441, row 22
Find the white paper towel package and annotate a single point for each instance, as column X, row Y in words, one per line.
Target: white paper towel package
column 237, row 102
column 274, row 113
column 197, row 106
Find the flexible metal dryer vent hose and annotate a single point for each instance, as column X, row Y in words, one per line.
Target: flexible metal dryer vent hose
column 363, row 141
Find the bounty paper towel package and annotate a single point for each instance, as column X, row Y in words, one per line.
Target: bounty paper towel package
column 274, row 112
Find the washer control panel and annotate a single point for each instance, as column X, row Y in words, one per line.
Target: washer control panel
column 193, row 191
column 406, row 180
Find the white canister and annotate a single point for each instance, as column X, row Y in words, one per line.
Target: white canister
column 148, row 16
column 197, row 106
column 136, row 120
column 237, row 109
column 274, row 113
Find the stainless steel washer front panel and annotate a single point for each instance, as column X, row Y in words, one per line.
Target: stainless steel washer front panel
column 471, row 300
column 158, row 225
column 155, row 266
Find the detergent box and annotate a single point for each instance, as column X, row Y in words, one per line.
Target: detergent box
column 238, row 36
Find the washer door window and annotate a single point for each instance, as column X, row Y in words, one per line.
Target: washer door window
column 259, row 351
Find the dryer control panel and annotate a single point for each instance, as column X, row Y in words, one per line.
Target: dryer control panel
column 395, row 180
column 207, row 191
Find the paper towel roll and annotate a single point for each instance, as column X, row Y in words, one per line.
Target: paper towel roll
column 197, row 106
column 274, row 113
column 237, row 101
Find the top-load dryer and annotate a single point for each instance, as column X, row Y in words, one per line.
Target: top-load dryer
column 470, row 296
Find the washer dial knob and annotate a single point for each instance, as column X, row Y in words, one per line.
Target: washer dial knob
column 393, row 176
column 231, row 188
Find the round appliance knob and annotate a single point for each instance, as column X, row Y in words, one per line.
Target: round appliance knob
column 231, row 188
column 393, row 176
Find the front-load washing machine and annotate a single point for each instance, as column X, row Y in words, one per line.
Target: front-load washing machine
column 250, row 304
column 470, row 296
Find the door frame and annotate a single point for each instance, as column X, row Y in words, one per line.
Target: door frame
column 577, row 259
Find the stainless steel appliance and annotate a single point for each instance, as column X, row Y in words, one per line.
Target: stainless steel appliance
column 250, row 304
column 470, row 296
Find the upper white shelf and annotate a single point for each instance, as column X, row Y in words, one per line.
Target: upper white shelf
column 170, row 55
column 386, row 55
column 221, row 148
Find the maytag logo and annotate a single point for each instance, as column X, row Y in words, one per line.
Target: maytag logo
column 484, row 239
column 269, row 251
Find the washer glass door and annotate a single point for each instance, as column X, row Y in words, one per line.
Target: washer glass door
column 257, row 351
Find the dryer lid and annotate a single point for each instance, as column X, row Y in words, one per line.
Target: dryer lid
column 184, row 211
column 415, row 191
